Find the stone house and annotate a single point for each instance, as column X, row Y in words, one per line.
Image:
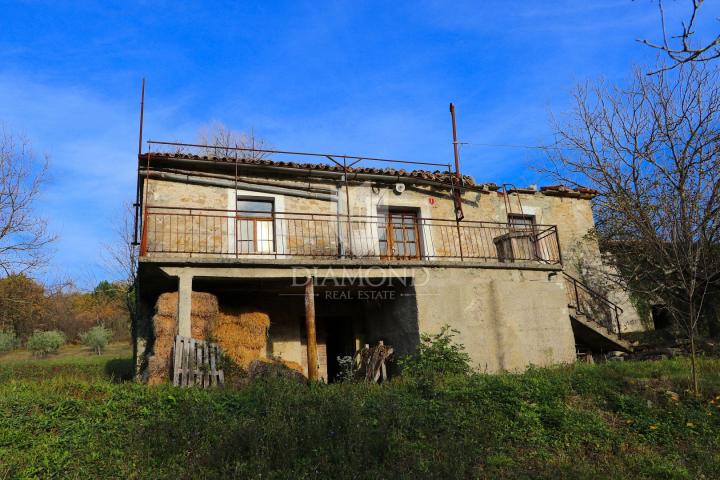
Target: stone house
column 386, row 251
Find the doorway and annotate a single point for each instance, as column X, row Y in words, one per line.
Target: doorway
column 339, row 341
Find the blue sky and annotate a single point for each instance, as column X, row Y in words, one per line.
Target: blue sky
column 370, row 78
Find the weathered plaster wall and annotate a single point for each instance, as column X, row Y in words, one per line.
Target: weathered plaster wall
column 508, row 319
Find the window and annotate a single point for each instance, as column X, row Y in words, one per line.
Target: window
column 255, row 229
column 399, row 234
column 523, row 238
column 522, row 222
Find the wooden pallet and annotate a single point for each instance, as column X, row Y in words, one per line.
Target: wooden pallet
column 195, row 363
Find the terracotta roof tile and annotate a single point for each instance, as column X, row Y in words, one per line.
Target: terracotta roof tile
column 437, row 175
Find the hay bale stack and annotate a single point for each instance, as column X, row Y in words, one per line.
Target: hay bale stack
column 242, row 334
column 203, row 315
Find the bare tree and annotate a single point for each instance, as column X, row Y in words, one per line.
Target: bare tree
column 223, row 142
column 681, row 47
column 122, row 256
column 652, row 150
column 23, row 234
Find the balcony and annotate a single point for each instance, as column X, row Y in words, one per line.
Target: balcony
column 395, row 236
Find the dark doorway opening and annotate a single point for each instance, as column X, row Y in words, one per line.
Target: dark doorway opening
column 340, row 342
column 661, row 317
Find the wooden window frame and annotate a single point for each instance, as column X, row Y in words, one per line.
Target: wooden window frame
column 531, row 228
column 261, row 216
column 388, row 213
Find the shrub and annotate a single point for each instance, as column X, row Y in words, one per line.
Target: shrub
column 96, row 338
column 437, row 355
column 346, row 366
column 43, row 342
column 8, row 340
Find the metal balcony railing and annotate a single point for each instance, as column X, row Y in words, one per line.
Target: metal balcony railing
column 395, row 236
column 596, row 307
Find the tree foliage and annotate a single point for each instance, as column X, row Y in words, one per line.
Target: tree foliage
column 8, row 340
column 437, row 354
column 96, row 338
column 42, row 343
column 26, row 306
column 651, row 149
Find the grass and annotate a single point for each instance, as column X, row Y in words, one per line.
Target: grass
column 67, row 418
column 69, row 351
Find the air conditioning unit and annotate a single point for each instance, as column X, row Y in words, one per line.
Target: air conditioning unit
column 399, row 187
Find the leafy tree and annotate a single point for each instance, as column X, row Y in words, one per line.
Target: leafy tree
column 96, row 338
column 8, row 340
column 23, row 305
column 42, row 343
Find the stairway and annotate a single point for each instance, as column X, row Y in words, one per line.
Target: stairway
column 594, row 318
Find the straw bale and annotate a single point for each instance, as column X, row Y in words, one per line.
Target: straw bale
column 244, row 328
column 163, row 326
column 203, row 304
column 240, row 355
column 158, row 370
column 163, row 346
column 202, row 316
column 255, row 322
column 235, row 333
column 167, row 304
column 200, row 327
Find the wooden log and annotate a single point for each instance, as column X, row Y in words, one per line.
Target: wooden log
column 312, row 358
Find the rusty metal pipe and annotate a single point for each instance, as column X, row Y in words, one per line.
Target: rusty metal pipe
column 217, row 182
column 326, row 191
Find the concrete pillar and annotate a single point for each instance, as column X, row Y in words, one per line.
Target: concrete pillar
column 184, row 304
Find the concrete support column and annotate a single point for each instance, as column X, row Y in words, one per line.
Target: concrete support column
column 184, row 304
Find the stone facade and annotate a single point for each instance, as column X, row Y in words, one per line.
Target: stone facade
column 510, row 315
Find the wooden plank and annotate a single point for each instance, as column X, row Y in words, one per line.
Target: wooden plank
column 212, row 350
column 195, row 362
column 221, row 373
column 206, row 365
column 195, row 376
column 177, row 361
column 186, row 363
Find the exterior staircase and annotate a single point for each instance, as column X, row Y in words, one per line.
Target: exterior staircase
column 594, row 318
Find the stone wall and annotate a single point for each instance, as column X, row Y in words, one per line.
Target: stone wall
column 573, row 217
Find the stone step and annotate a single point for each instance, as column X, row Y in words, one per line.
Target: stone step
column 608, row 334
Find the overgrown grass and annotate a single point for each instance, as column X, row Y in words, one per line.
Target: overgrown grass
column 67, row 420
